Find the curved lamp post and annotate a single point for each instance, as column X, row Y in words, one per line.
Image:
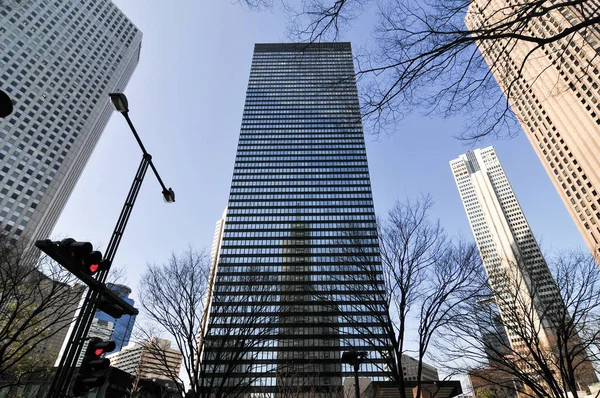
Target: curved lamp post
column 120, row 103
column 66, row 367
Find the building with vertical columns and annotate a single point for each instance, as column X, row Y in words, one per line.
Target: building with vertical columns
column 556, row 98
column 58, row 62
column 214, row 265
column 151, row 359
column 523, row 287
column 300, row 186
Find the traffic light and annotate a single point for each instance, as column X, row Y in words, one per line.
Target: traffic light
column 93, row 366
column 79, row 258
column 113, row 305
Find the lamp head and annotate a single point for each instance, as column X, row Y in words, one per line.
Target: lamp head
column 6, row 105
column 119, row 102
column 169, row 196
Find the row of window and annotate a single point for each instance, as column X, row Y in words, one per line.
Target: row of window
column 304, row 204
column 361, row 178
column 271, row 259
column 332, row 184
column 303, row 190
column 285, row 234
column 300, row 211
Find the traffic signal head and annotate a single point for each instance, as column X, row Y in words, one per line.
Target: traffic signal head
column 81, row 258
column 93, row 366
column 98, row 347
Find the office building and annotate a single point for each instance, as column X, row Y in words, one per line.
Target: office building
column 523, row 287
column 286, row 301
column 152, row 359
column 58, row 62
column 410, row 370
column 123, row 326
column 60, row 302
column 556, row 98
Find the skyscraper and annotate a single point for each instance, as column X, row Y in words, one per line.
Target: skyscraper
column 556, row 98
column 521, row 282
column 281, row 311
column 59, row 61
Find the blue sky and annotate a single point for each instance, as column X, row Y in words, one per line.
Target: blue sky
column 186, row 99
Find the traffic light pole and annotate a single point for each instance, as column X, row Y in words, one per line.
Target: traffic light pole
column 66, row 368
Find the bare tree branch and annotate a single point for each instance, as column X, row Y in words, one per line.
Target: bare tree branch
column 37, row 304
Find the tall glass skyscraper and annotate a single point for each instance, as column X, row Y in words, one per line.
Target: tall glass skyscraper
column 288, row 298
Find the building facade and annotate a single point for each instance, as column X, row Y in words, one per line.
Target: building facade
column 287, row 301
column 56, row 318
column 410, row 370
column 58, row 62
column 152, row 359
column 556, row 98
column 525, row 291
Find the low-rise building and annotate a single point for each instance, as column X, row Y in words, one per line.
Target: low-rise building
column 151, row 359
column 410, row 370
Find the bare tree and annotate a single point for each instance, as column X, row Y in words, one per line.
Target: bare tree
column 425, row 57
column 219, row 357
column 536, row 351
column 421, row 281
column 37, row 304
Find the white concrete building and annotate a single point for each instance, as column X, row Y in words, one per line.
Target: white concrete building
column 506, row 243
column 556, row 98
column 58, row 62
column 410, row 370
column 152, row 359
column 519, row 277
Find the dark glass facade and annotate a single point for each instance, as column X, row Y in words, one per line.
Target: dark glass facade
column 300, row 187
column 123, row 325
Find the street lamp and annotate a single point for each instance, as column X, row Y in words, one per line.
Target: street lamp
column 6, row 105
column 355, row 358
column 121, row 105
column 66, row 367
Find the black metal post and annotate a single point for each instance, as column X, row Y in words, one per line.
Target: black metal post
column 354, row 358
column 139, row 141
column 356, row 388
column 62, row 378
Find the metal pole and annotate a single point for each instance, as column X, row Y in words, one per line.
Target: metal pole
column 68, row 362
column 356, row 388
column 139, row 141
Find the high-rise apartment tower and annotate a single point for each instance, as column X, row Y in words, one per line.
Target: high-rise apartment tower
column 521, row 282
column 285, row 295
column 58, row 62
column 555, row 96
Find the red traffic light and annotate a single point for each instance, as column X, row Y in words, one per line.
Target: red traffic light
column 93, row 263
column 97, row 347
column 93, row 367
column 80, row 258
